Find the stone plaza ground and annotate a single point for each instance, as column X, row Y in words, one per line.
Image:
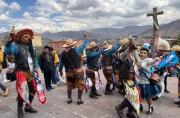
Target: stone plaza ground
column 104, row 107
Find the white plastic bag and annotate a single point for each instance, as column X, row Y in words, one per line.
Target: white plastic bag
column 97, row 79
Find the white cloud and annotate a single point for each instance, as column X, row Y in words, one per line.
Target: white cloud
column 58, row 15
column 14, row 6
column 26, row 14
column 46, row 8
column 3, row 4
column 3, row 29
column 4, row 17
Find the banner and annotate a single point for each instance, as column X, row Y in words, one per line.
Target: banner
column 169, row 60
column 132, row 95
column 40, row 89
column 22, row 87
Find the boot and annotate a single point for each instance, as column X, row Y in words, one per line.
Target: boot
column 121, row 107
column 20, row 108
column 20, row 113
column 6, row 91
column 120, row 113
column 141, row 108
column 30, row 109
column 79, row 101
column 107, row 91
column 151, row 109
column 92, row 93
column 69, row 100
column 177, row 102
column 93, row 96
column 97, row 94
column 166, row 91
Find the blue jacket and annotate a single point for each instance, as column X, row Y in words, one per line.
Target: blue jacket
column 93, row 58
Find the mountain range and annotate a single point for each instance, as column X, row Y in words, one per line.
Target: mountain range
column 169, row 30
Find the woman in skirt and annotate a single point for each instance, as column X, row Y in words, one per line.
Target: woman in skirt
column 147, row 89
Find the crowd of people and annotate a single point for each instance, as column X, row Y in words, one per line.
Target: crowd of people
column 135, row 72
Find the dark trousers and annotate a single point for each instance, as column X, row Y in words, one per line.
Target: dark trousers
column 125, row 103
column 48, row 75
column 20, row 101
column 2, row 86
column 165, row 82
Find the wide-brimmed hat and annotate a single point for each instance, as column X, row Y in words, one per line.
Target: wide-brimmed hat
column 163, row 45
column 107, row 47
column 92, row 44
column 175, row 48
column 123, row 41
column 69, row 43
column 22, row 32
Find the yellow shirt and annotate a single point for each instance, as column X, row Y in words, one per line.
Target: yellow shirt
column 56, row 57
column 1, row 56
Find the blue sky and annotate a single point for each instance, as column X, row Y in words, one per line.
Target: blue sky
column 25, row 3
column 68, row 15
column 25, row 6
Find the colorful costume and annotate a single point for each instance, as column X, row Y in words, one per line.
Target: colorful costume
column 71, row 60
column 92, row 65
column 25, row 64
column 107, row 66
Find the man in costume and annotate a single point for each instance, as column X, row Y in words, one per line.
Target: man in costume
column 176, row 70
column 163, row 50
column 23, row 51
column 126, row 68
column 93, row 55
column 107, row 65
column 116, row 63
column 71, row 60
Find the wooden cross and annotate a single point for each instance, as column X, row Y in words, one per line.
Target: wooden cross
column 155, row 20
column 154, row 41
